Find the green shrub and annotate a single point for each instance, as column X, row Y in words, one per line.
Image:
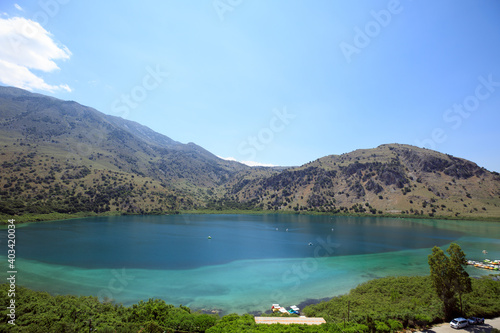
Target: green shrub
column 153, row 327
column 394, row 325
column 106, row 329
column 354, row 328
column 380, row 326
column 422, row 320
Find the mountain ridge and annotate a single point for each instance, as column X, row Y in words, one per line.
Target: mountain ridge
column 65, row 157
column 394, row 178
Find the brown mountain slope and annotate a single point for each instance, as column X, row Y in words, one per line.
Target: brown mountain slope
column 389, row 179
column 83, row 136
column 60, row 156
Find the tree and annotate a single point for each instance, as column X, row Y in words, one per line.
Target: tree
column 449, row 277
column 462, row 283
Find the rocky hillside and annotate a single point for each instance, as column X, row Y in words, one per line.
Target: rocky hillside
column 60, row 156
column 389, row 179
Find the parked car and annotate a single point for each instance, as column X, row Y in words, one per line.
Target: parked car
column 459, row 323
column 475, row 320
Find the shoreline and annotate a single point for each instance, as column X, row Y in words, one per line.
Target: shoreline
column 301, row 305
column 491, row 321
column 33, row 218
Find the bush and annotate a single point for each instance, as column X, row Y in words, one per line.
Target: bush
column 153, row 327
column 422, row 321
column 394, row 325
column 354, row 328
column 380, row 326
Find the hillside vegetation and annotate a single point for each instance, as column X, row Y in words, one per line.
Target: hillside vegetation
column 411, row 301
column 62, row 157
column 392, row 178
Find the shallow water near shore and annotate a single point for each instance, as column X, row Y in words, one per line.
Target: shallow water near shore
column 250, row 262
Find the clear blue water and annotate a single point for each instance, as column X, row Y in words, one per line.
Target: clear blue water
column 250, row 262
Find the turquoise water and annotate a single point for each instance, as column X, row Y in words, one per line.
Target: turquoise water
column 250, row 262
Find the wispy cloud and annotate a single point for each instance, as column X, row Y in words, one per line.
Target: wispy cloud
column 18, row 7
column 26, row 46
column 249, row 163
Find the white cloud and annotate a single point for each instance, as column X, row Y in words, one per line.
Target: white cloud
column 25, row 46
column 252, row 164
column 19, row 76
column 18, row 7
column 249, row 163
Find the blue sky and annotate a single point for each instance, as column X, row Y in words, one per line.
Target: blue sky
column 274, row 82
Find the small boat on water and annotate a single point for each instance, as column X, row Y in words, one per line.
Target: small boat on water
column 209, row 237
column 493, row 265
column 293, row 309
column 278, row 308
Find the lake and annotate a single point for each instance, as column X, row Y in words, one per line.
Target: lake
column 232, row 263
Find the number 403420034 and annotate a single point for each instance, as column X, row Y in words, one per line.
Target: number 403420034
column 11, row 243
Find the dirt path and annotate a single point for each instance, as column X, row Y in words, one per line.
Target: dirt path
column 486, row 327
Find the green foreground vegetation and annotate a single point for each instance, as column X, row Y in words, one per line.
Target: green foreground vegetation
column 411, row 301
column 381, row 305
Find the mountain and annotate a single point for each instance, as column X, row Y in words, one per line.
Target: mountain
column 60, row 156
column 110, row 142
column 53, row 150
column 391, row 178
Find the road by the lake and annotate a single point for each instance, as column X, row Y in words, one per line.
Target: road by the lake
column 486, row 327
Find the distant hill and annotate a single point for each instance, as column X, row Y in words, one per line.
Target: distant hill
column 392, row 178
column 60, row 156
